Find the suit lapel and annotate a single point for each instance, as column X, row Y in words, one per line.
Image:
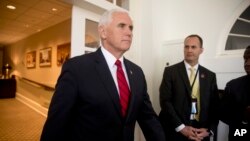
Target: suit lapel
column 183, row 74
column 202, row 80
column 107, row 79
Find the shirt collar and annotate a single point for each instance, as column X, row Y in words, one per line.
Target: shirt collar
column 189, row 66
column 110, row 58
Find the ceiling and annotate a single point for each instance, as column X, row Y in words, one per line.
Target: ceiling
column 29, row 17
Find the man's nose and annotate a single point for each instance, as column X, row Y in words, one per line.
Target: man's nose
column 189, row 49
column 128, row 31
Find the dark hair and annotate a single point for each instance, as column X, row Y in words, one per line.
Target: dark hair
column 247, row 52
column 195, row 35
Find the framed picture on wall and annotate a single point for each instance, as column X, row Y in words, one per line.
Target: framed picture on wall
column 91, row 34
column 63, row 53
column 31, row 59
column 45, row 57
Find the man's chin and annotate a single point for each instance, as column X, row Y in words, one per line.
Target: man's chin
column 125, row 48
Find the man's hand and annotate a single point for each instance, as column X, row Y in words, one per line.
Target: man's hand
column 201, row 133
column 189, row 132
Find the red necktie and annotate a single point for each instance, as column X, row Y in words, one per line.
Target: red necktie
column 123, row 88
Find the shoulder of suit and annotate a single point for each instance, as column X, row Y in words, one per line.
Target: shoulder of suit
column 81, row 59
column 131, row 64
column 239, row 79
column 177, row 65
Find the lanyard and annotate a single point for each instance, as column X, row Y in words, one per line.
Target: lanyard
column 194, row 79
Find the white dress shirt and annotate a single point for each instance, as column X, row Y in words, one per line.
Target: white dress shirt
column 110, row 59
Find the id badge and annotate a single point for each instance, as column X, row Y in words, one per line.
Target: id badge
column 193, row 108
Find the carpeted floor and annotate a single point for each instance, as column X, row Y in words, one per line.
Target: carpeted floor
column 18, row 122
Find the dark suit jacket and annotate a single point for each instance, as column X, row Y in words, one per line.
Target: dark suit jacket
column 85, row 105
column 175, row 100
column 234, row 101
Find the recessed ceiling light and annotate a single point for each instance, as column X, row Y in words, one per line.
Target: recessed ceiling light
column 54, row 9
column 11, row 7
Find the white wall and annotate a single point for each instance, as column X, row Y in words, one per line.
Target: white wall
column 173, row 20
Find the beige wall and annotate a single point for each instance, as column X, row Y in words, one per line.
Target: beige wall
column 1, row 60
column 51, row 37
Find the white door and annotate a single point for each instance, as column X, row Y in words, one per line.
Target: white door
column 172, row 53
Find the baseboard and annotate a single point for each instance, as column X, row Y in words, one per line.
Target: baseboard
column 32, row 104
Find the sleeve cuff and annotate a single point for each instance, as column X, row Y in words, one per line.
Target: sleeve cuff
column 211, row 133
column 179, row 128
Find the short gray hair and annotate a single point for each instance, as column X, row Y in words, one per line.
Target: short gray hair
column 107, row 16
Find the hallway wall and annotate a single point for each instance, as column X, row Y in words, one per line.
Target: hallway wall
column 16, row 56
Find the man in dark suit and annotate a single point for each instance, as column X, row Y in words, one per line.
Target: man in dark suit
column 86, row 103
column 188, row 109
column 235, row 104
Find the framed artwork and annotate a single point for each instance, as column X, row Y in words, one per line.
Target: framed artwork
column 31, row 59
column 63, row 53
column 91, row 34
column 45, row 57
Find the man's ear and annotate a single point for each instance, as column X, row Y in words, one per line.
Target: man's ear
column 102, row 32
column 202, row 49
